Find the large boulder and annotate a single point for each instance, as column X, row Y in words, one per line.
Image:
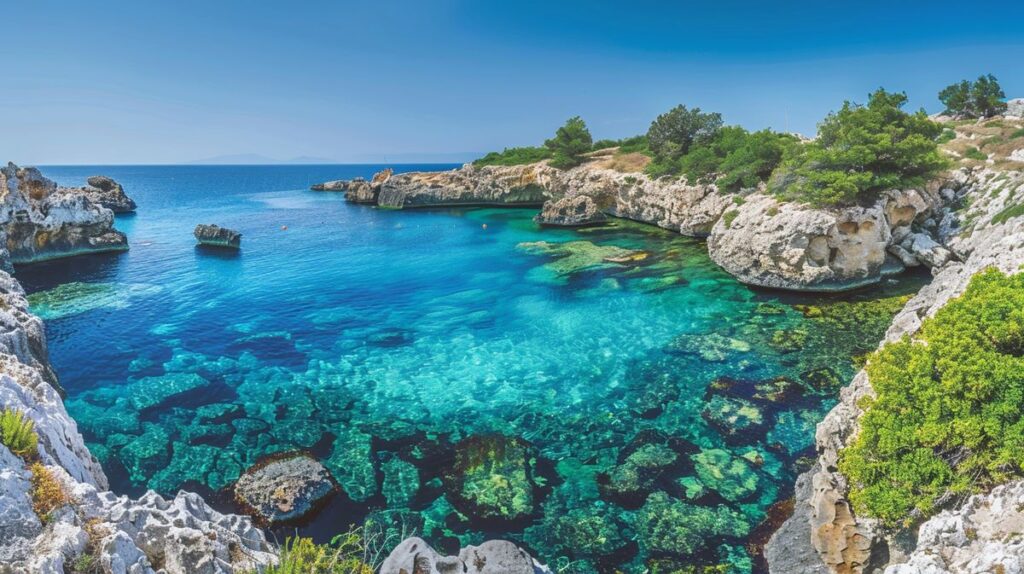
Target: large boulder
column 216, row 236
column 108, row 193
column 1015, row 107
column 284, row 488
column 415, row 556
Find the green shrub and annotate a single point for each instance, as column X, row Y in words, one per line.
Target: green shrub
column 571, row 141
column 17, row 432
column 860, row 152
column 975, row 153
column 635, row 144
column 729, row 216
column 946, row 136
column 946, row 419
column 345, row 554
column 514, row 156
column 982, row 98
column 1008, row 214
column 1017, row 134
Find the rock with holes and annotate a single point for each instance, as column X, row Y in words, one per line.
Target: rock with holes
column 284, row 488
column 414, row 556
column 578, row 211
column 769, row 243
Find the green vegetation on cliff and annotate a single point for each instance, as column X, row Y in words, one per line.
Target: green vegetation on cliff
column 860, row 152
column 948, row 415
column 979, row 99
column 570, row 143
column 17, row 432
column 514, row 156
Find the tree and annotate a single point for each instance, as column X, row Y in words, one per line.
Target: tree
column 571, row 141
column 987, row 97
column 982, row 98
column 673, row 133
column 862, row 151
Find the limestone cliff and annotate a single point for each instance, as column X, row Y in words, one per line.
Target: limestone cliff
column 979, row 235
column 40, row 220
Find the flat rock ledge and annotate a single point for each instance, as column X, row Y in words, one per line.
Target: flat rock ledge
column 415, row 556
column 285, row 488
column 216, row 236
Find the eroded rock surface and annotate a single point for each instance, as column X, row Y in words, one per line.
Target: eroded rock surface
column 40, row 220
column 285, row 488
column 414, row 556
column 104, row 191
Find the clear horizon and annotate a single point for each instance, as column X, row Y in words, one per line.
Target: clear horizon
column 121, row 83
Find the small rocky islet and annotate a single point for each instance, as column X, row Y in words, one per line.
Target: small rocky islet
column 685, row 459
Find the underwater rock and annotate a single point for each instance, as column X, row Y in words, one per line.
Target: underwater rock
column 736, row 419
column 577, row 211
column 105, row 191
column 153, row 392
column 822, row 380
column 415, row 556
column 352, row 464
column 575, row 256
column 730, row 476
column 642, row 465
column 671, row 526
column 216, row 236
column 711, row 347
column 284, row 488
column 146, row 453
column 492, row 478
column 74, row 298
column 788, row 340
column 592, row 531
column 401, row 482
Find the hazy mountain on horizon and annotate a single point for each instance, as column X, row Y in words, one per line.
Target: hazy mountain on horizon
column 257, row 159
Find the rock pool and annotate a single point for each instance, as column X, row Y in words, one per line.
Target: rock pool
column 607, row 397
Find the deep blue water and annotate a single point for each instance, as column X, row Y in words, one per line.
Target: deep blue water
column 662, row 407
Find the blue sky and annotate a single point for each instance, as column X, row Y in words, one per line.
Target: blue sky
column 168, row 82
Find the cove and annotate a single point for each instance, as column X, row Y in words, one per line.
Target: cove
column 601, row 396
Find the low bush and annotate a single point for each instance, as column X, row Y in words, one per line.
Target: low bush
column 17, row 432
column 975, row 154
column 48, row 493
column 514, row 156
column 946, row 419
column 350, row 553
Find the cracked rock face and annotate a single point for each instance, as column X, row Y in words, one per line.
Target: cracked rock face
column 414, row 556
column 40, row 220
column 217, row 236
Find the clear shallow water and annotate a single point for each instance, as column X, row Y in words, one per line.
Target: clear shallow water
column 609, row 398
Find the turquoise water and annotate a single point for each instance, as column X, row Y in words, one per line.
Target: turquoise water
column 607, row 397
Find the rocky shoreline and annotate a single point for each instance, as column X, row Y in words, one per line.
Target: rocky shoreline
column 757, row 238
